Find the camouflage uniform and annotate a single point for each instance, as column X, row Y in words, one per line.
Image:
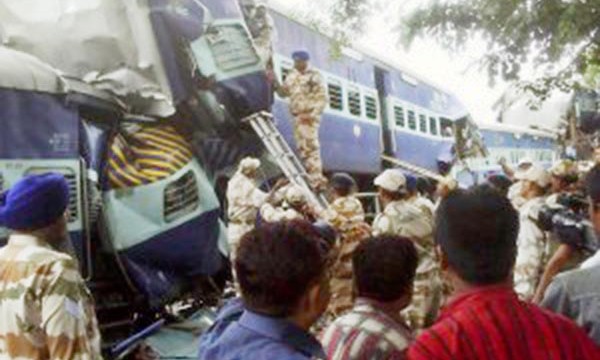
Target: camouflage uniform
column 308, row 99
column 426, row 206
column 46, row 311
column 262, row 29
column 270, row 213
column 244, row 199
column 347, row 216
column 404, row 219
column 534, row 250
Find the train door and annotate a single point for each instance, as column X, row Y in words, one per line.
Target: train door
column 387, row 136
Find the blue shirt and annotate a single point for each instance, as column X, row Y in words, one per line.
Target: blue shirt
column 240, row 334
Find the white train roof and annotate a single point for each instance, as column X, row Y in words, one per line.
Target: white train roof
column 21, row 71
column 516, row 129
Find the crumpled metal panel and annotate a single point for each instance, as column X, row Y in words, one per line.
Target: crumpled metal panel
column 108, row 43
column 20, row 71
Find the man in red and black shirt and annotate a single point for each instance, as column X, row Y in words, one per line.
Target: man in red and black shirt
column 476, row 232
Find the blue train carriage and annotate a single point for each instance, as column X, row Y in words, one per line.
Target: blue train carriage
column 374, row 107
column 41, row 134
column 512, row 143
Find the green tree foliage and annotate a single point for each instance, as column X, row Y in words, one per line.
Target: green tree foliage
column 559, row 39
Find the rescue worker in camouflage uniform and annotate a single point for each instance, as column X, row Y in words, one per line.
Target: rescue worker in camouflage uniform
column 294, row 206
column 418, row 200
column 244, row 198
column 533, row 246
column 308, row 98
column 347, row 216
column 402, row 218
column 46, row 311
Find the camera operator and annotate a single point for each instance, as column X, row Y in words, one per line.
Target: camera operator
column 575, row 293
column 563, row 176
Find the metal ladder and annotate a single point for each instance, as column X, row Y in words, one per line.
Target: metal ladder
column 290, row 165
column 413, row 168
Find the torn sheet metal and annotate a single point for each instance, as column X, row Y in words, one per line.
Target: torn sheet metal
column 20, row 71
column 108, row 43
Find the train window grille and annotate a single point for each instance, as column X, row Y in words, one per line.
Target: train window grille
column 433, row 126
column 371, row 107
column 446, row 127
column 71, row 178
column 399, row 115
column 181, row 197
column 422, row 124
column 354, row 104
column 335, row 97
column 232, row 48
column 412, row 120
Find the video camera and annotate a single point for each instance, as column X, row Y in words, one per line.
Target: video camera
column 568, row 220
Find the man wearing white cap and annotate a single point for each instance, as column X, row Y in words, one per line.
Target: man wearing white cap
column 514, row 192
column 532, row 245
column 244, row 198
column 400, row 217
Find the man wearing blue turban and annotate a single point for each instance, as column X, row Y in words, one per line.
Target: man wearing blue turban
column 46, row 311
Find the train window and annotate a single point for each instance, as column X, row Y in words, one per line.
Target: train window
column 335, row 96
column 399, row 115
column 412, row 120
column 433, row 126
column 354, row 104
column 371, row 107
column 422, row 124
column 446, row 127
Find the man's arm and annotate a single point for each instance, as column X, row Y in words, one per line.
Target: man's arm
column 68, row 318
column 560, row 258
column 319, row 95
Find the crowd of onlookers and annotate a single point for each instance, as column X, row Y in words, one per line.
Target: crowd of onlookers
column 470, row 274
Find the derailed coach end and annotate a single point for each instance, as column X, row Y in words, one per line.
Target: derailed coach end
column 213, row 38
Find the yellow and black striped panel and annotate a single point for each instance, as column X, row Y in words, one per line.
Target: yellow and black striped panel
column 150, row 154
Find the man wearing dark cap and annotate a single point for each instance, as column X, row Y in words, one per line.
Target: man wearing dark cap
column 346, row 215
column 46, row 311
column 308, row 98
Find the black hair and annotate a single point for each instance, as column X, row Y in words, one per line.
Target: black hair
column 592, row 185
column 477, row 230
column 277, row 263
column 384, row 267
column 342, row 183
column 501, row 183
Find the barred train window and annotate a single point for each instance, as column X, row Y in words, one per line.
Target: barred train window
column 433, row 126
column 412, row 120
column 422, row 124
column 354, row 103
column 335, row 96
column 399, row 115
column 371, row 107
column 446, row 127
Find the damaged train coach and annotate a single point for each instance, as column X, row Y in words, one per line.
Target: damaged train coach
column 134, row 102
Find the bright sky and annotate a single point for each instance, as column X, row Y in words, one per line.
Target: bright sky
column 425, row 57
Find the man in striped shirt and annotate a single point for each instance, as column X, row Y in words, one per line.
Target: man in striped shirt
column 46, row 311
column 476, row 233
column 384, row 272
